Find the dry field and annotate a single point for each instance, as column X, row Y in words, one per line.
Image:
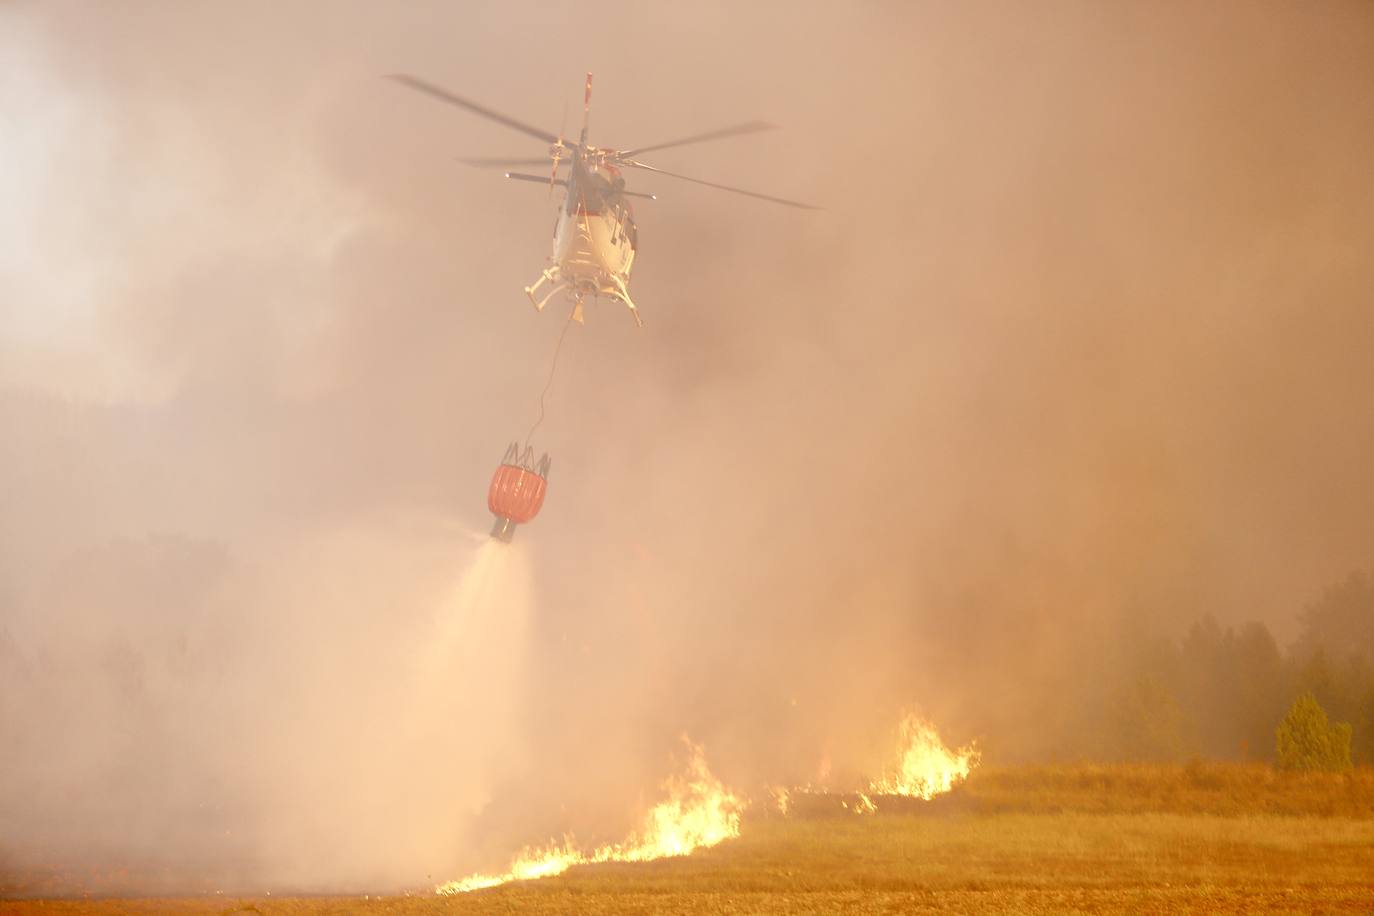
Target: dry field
column 1204, row 838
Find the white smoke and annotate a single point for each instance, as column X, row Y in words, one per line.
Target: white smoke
column 340, row 730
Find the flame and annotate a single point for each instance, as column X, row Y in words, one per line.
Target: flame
column 699, row 812
column 531, row 863
column 926, row 767
column 862, row 805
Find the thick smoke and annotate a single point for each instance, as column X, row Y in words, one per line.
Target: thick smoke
column 1077, row 348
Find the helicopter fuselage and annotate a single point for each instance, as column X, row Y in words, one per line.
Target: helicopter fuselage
column 594, row 241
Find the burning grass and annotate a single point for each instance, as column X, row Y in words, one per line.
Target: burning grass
column 995, row 863
column 925, row 768
column 1205, row 837
column 698, row 812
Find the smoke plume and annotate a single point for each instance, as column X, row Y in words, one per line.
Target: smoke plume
column 1078, row 348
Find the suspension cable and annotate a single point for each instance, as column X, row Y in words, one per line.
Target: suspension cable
column 553, row 365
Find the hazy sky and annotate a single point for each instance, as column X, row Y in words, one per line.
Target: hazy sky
column 1081, row 339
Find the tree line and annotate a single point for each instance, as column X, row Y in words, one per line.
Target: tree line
column 1224, row 692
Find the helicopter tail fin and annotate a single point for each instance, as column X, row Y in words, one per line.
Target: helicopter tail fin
column 586, row 109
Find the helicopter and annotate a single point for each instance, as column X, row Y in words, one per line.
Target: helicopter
column 594, row 238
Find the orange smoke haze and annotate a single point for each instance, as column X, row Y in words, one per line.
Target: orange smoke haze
column 1077, row 350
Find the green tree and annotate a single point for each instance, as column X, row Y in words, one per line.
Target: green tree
column 1341, row 621
column 1337, row 683
column 1146, row 723
column 1364, row 730
column 1231, row 683
column 1256, row 689
column 1307, row 740
column 1205, row 685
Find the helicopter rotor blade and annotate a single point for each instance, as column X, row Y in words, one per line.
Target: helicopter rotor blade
column 723, row 187
column 520, row 176
column 501, row 163
column 444, row 95
column 735, row 130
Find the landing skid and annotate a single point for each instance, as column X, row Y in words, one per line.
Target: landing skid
column 548, row 276
column 614, row 289
column 617, row 290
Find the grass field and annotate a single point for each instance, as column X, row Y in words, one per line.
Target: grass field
column 1208, row 838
